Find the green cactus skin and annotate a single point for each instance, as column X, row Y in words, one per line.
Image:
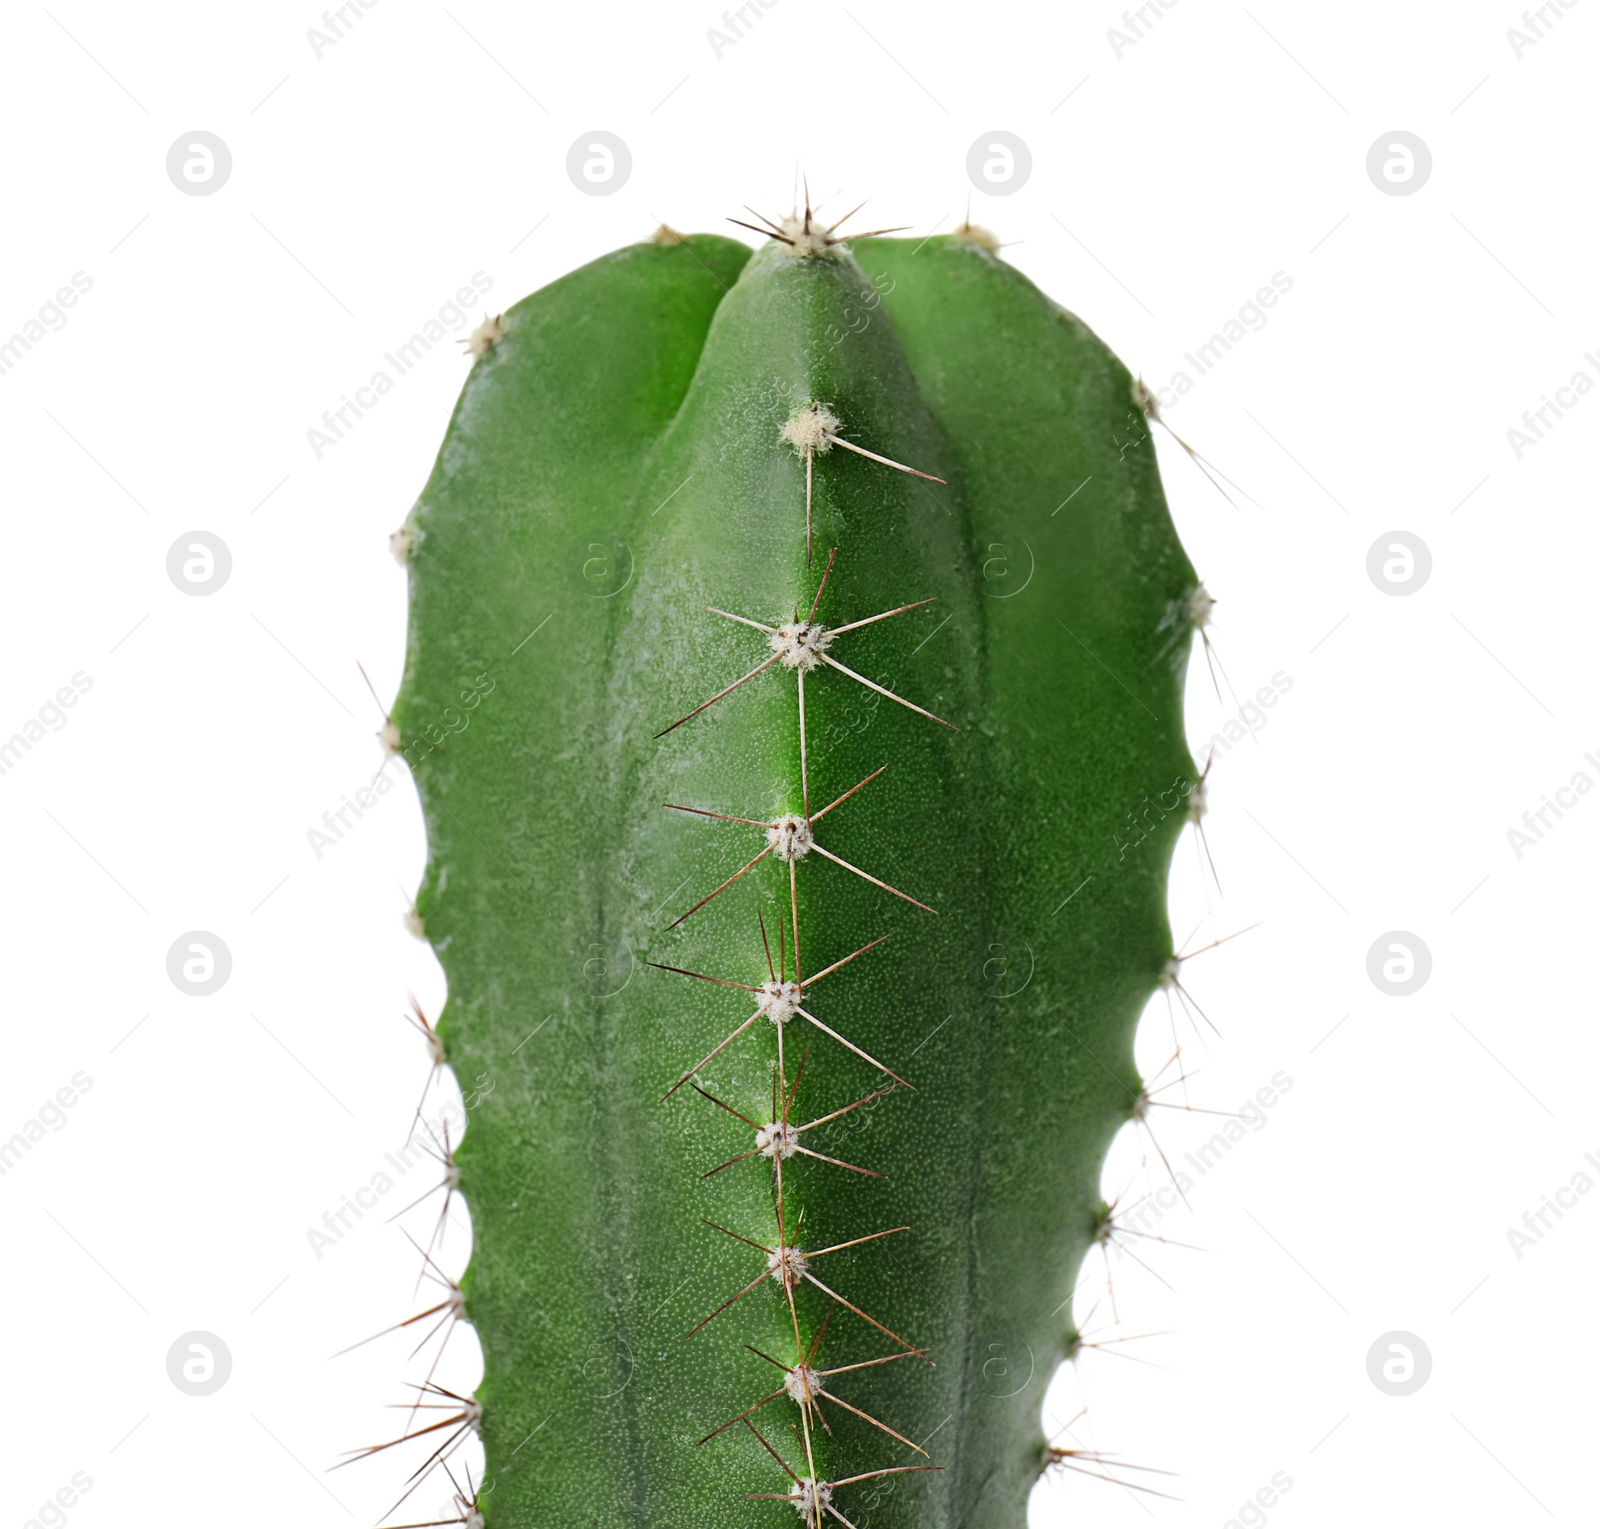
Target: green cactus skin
column 614, row 466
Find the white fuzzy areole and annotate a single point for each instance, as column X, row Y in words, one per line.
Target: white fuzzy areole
column 793, row 1258
column 806, row 239
column 801, row 644
column 486, row 336
column 790, row 838
column 1141, row 1106
column 1197, row 801
column 779, row 1001
column 1200, row 607
column 413, row 922
column 971, row 233
column 809, row 429
column 780, row 1139
column 801, row 1383
column 389, row 737
column 400, row 545
column 1169, row 972
column 806, row 1491
column 666, row 234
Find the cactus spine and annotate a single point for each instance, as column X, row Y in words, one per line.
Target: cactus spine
column 792, row 634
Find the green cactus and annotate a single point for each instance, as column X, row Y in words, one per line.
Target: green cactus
column 680, row 465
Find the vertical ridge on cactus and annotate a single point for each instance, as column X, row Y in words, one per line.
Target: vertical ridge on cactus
column 639, row 471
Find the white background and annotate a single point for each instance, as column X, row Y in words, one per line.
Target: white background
column 1171, row 178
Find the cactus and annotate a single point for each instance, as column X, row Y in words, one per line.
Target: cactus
column 796, row 654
